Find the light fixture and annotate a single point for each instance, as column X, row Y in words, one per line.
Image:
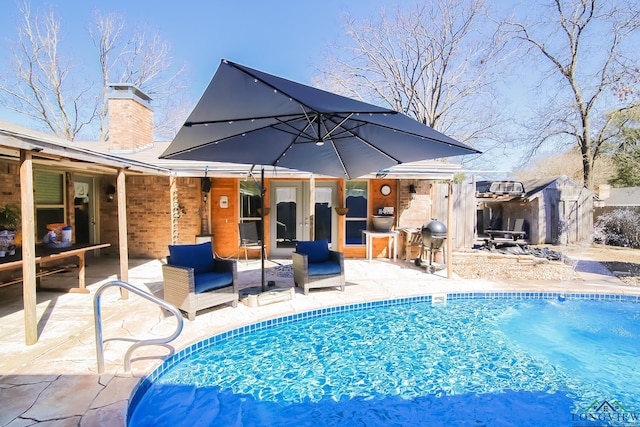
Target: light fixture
column 110, row 192
column 412, row 189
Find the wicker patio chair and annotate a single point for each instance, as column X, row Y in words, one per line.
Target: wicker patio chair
column 195, row 280
column 315, row 266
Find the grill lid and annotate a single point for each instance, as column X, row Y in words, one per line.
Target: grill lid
column 434, row 227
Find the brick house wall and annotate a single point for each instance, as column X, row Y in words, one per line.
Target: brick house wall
column 9, row 184
column 150, row 214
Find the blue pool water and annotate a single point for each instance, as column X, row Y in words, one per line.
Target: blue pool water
column 469, row 362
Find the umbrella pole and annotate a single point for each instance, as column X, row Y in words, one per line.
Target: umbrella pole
column 262, row 192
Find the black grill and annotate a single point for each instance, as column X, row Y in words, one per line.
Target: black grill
column 433, row 234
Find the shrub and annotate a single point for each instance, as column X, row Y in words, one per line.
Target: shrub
column 619, row 227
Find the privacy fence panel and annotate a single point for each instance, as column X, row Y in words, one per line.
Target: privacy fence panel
column 463, row 214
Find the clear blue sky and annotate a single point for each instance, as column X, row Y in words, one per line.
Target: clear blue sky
column 277, row 36
column 281, row 37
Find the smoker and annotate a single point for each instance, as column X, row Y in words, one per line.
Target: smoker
column 433, row 236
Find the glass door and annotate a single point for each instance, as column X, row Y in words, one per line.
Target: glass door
column 290, row 218
column 84, row 204
column 286, row 220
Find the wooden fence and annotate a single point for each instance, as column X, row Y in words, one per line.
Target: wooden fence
column 463, row 215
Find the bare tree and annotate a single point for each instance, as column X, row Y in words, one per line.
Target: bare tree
column 589, row 49
column 45, row 86
column 568, row 163
column 142, row 59
column 41, row 85
column 436, row 62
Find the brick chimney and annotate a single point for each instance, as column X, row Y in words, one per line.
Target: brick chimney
column 130, row 119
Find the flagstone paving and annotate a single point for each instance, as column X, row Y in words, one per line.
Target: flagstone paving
column 55, row 381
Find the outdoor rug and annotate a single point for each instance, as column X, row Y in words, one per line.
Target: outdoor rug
column 283, row 270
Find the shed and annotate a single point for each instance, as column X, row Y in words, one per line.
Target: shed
column 555, row 210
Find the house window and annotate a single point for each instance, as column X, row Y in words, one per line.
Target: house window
column 49, row 200
column 356, row 217
column 250, row 202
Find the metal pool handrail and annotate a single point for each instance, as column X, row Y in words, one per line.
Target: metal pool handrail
column 157, row 341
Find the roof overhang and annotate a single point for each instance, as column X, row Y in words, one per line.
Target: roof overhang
column 47, row 149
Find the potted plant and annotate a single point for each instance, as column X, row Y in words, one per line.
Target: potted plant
column 9, row 217
column 9, row 223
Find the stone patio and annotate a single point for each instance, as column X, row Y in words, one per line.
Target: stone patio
column 55, row 382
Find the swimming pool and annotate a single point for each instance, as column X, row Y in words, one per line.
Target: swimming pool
column 480, row 359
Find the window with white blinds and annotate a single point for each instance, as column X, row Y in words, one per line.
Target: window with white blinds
column 49, row 188
column 49, row 200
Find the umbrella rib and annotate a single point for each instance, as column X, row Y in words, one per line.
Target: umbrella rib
column 293, row 141
column 342, row 165
column 318, row 118
column 297, row 132
column 426, row 138
column 338, row 125
column 212, row 122
column 359, row 138
column 218, row 141
column 310, row 122
column 417, row 135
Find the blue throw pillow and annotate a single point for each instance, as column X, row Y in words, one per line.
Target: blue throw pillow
column 317, row 251
column 199, row 257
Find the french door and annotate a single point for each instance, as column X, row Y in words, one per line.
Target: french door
column 291, row 215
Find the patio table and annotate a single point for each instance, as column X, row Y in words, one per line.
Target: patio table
column 47, row 254
column 508, row 237
column 392, row 242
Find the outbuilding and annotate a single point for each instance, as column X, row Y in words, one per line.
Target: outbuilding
column 555, row 210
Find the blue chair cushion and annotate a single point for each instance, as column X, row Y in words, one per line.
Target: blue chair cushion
column 199, row 257
column 209, row 281
column 322, row 268
column 317, row 251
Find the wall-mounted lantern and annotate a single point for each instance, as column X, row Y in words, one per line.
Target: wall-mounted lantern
column 110, row 192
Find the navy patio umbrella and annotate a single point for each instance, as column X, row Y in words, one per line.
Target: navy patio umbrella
column 251, row 117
